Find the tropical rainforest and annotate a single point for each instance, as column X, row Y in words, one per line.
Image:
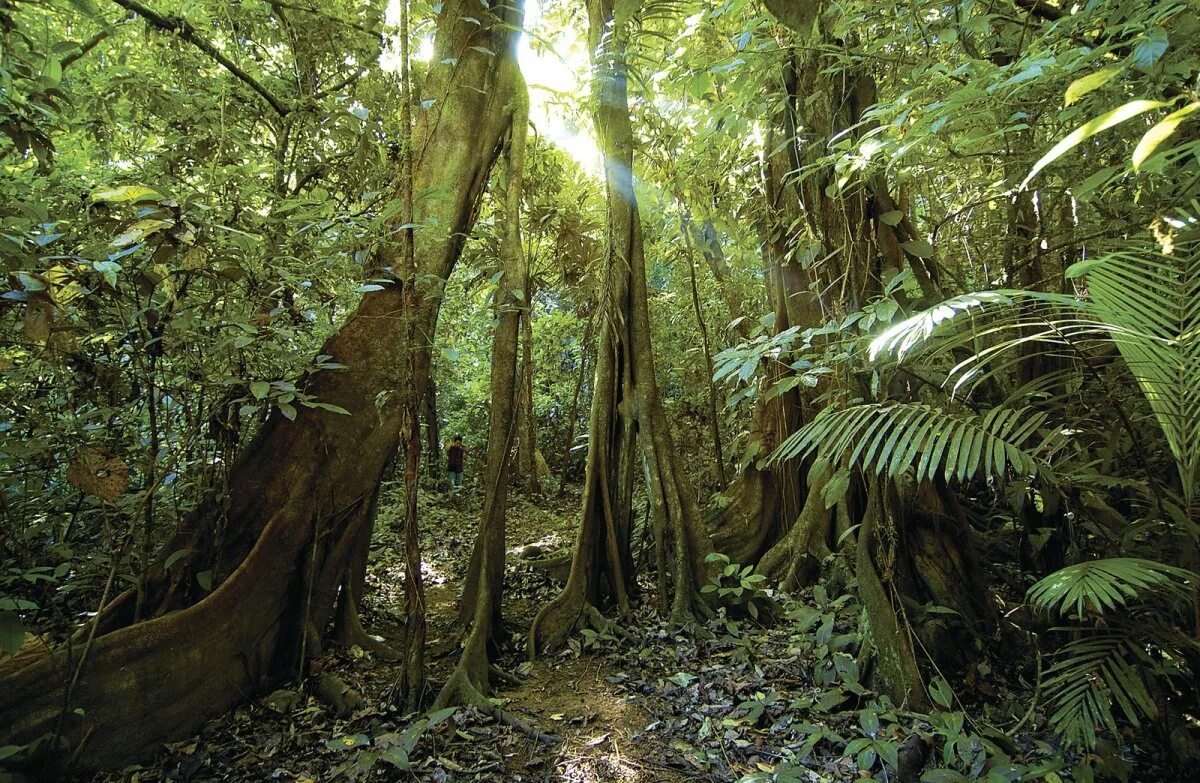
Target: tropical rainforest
column 600, row 390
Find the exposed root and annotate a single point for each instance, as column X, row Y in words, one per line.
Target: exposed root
column 602, row 624
column 504, row 676
column 565, row 615
column 350, row 631
column 460, row 690
column 557, row 567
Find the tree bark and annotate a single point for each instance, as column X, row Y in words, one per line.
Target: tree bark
column 527, row 444
column 905, row 556
column 299, row 497
column 433, row 432
column 714, row 421
column 585, row 347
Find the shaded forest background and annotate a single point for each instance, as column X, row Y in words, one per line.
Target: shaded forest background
column 874, row 325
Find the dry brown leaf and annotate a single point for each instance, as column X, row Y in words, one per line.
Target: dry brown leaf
column 39, row 316
column 94, row 473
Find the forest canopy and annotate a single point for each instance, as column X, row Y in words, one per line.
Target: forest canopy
column 826, row 371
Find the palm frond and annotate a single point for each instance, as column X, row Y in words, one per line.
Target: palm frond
column 1091, row 674
column 891, row 437
column 1105, row 585
column 1151, row 302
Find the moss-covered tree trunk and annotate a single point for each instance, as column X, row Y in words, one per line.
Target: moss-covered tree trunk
column 626, row 404
column 299, row 498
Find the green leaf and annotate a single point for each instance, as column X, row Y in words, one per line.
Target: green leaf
column 325, row 406
column 892, row 217
column 1093, row 81
column 1089, row 129
column 439, row 716
column 260, row 389
column 1149, row 48
column 918, row 247
column 939, row 691
column 127, row 193
column 7, row 751
column 12, row 633
column 1160, row 133
column 348, row 742
column 176, row 556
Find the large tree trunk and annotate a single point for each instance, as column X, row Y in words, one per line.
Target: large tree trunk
column 906, row 555
column 625, row 404
column 299, row 498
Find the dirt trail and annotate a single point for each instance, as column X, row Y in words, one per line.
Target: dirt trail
column 288, row 736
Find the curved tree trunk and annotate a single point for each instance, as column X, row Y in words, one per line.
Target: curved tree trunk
column 625, row 404
column 302, row 492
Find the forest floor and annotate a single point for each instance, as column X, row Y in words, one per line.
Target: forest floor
column 720, row 703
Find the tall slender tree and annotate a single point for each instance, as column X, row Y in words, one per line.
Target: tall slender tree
column 626, row 408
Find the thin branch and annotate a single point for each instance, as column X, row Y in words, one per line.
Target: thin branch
column 184, row 30
column 84, row 48
column 341, row 85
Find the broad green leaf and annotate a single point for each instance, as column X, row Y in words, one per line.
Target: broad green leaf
column 918, row 247
column 12, row 633
column 1160, row 133
column 260, row 389
column 1149, row 48
column 1089, row 129
column 127, row 193
column 1093, row 81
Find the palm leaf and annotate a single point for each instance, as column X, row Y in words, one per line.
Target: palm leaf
column 1091, row 674
column 892, row 437
column 1105, row 585
column 1151, row 302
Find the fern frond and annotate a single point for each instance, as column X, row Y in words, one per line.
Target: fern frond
column 889, row 438
column 1104, row 585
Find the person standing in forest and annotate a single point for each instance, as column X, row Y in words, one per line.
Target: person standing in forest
column 455, row 454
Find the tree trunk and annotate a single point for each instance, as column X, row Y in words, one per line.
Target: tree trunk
column 714, row 421
column 301, row 494
column 433, row 433
column 480, row 610
column 625, row 404
column 905, row 556
column 527, row 445
column 585, row 348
